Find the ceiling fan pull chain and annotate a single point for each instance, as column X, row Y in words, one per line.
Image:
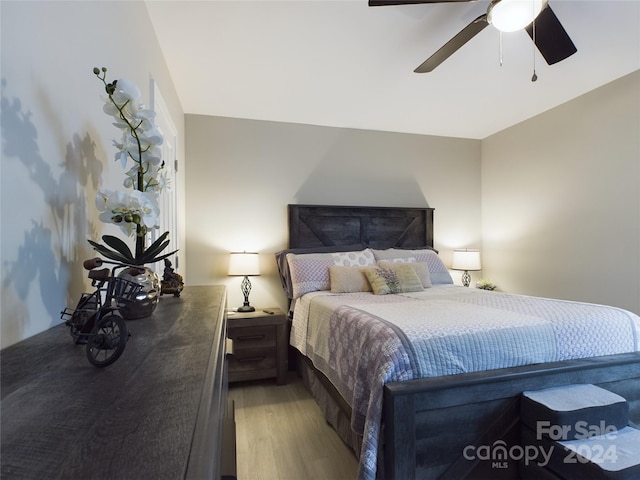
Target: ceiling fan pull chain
column 501, row 51
column 534, row 77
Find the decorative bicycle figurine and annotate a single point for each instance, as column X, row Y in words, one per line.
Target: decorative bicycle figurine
column 96, row 321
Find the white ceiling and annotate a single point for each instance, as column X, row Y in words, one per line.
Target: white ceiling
column 342, row 63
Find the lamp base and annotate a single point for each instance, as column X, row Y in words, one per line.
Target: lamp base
column 246, row 288
column 466, row 278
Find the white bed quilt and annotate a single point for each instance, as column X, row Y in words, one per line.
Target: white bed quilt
column 362, row 341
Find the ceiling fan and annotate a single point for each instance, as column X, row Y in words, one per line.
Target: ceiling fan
column 535, row 16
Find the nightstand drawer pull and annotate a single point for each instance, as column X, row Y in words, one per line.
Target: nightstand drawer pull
column 249, row 337
column 250, row 359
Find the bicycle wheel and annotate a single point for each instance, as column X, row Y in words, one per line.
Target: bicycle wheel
column 107, row 340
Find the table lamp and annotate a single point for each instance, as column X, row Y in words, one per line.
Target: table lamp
column 244, row 264
column 466, row 260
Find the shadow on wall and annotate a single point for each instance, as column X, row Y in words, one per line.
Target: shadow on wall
column 47, row 251
column 362, row 170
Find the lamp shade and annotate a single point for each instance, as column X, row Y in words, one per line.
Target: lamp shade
column 512, row 15
column 466, row 260
column 244, row 263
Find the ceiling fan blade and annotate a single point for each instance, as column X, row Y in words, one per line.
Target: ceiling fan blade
column 551, row 38
column 449, row 48
column 386, row 3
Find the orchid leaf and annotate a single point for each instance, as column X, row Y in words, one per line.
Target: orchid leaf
column 149, row 254
column 110, row 254
column 156, row 246
column 157, row 259
column 118, row 245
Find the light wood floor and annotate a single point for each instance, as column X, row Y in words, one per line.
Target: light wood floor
column 282, row 435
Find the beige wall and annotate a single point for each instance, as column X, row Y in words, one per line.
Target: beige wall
column 56, row 144
column 241, row 174
column 560, row 197
column 561, row 200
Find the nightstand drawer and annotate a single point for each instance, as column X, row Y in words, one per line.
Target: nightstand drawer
column 252, row 359
column 252, row 337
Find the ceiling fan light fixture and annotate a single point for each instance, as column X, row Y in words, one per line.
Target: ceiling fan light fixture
column 513, row 15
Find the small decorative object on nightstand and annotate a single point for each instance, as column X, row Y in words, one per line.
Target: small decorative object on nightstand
column 466, row 260
column 244, row 264
column 260, row 345
column 485, row 284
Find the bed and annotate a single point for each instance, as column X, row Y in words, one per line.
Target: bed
column 417, row 374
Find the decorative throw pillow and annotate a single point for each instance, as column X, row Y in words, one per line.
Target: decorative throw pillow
column 354, row 259
column 399, row 278
column 421, row 269
column 348, row 279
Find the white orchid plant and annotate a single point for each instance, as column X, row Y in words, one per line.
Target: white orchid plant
column 135, row 210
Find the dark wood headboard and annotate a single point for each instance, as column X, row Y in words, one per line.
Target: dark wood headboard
column 375, row 227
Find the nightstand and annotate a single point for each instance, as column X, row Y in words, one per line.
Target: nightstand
column 260, row 345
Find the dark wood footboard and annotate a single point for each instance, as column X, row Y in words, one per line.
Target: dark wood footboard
column 433, row 427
